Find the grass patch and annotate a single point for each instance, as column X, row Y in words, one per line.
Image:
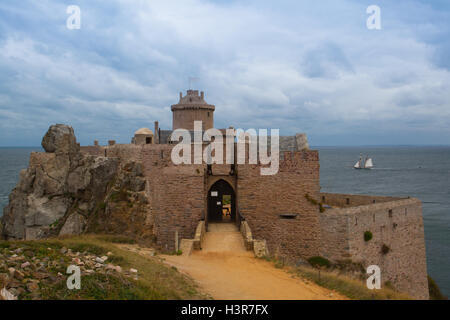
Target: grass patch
column 4, row 244
column 155, row 279
column 117, row 239
column 101, row 287
column 347, row 286
column 86, row 247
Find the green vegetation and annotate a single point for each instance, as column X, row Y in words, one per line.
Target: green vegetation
column 101, row 287
column 116, row 239
column 333, row 278
column 368, row 236
column 351, row 288
column 176, row 253
column 154, row 280
column 318, row 262
column 434, row 291
column 54, row 224
column 226, row 199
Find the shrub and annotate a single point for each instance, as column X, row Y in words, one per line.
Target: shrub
column 318, row 261
column 368, row 236
column 385, row 249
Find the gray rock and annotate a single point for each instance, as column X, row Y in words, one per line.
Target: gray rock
column 99, row 260
column 7, row 295
column 60, row 138
column 61, row 189
column 74, row 225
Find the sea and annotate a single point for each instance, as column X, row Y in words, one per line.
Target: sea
column 421, row 172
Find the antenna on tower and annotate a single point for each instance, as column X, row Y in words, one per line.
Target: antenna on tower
column 191, row 80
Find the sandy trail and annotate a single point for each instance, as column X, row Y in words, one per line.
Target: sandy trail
column 225, row 270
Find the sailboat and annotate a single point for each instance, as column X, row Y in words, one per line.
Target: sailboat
column 366, row 164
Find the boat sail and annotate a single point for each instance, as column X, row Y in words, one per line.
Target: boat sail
column 366, row 164
column 358, row 165
column 369, row 163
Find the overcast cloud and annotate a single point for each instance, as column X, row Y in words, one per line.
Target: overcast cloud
column 301, row 66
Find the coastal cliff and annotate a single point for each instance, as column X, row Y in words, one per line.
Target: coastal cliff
column 65, row 192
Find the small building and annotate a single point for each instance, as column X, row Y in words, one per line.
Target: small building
column 144, row 136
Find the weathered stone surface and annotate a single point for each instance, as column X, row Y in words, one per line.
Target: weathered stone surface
column 60, row 138
column 74, row 225
column 7, row 295
column 63, row 191
column 302, row 141
column 260, row 248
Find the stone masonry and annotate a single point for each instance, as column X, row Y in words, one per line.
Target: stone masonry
column 283, row 211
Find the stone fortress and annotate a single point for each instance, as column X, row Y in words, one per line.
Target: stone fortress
column 136, row 189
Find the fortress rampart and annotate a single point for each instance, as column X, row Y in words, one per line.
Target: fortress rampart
column 278, row 211
column 397, row 245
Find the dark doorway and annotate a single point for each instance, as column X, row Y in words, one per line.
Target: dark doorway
column 221, row 202
column 148, row 140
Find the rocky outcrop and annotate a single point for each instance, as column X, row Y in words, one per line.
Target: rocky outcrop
column 64, row 192
column 60, row 138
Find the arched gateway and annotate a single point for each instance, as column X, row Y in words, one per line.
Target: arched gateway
column 221, row 202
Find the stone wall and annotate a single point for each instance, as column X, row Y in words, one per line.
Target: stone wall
column 176, row 193
column 263, row 198
column 125, row 152
column 93, row 150
column 395, row 224
column 352, row 200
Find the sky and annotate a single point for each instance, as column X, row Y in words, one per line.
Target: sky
column 297, row 66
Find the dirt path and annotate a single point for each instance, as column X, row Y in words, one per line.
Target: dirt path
column 225, row 270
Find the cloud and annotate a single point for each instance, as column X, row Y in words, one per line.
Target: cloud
column 294, row 66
